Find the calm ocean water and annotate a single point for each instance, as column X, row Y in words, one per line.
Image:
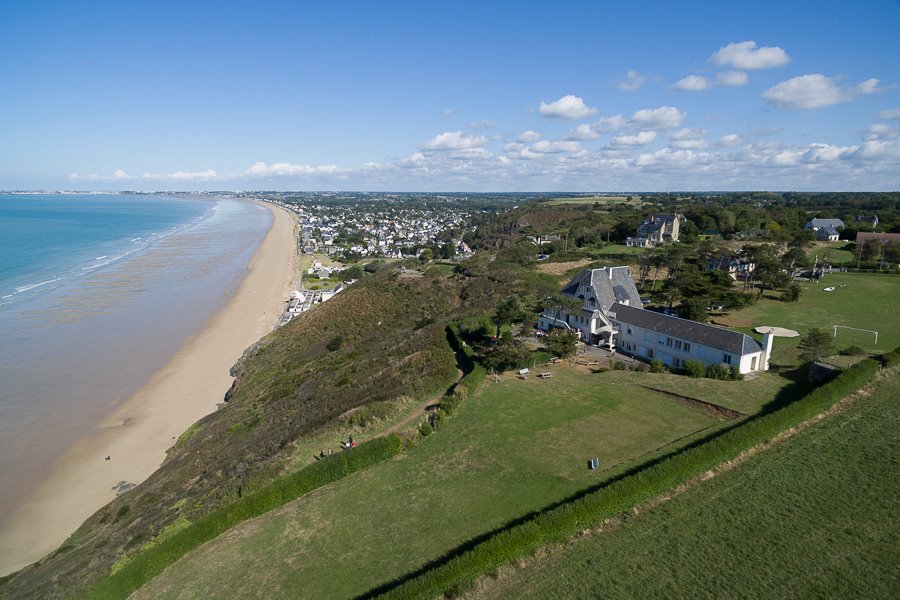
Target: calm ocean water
column 97, row 292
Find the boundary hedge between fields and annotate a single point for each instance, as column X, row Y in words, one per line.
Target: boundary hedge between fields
column 147, row 563
column 473, row 372
column 563, row 521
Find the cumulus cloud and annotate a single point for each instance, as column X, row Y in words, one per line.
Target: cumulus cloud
column 567, row 107
column 664, row 117
column 529, row 136
column 121, row 175
column 814, row 91
column 732, row 78
column 282, row 169
column 547, row 147
column 586, row 132
column 745, row 55
column 692, row 83
column 632, row 82
column 687, row 139
column 641, row 138
column 448, row 112
column 890, row 114
column 729, row 139
column 454, row 140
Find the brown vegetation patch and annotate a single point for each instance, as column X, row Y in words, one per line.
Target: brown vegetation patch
column 561, row 268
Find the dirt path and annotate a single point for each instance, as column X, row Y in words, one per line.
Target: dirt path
column 418, row 412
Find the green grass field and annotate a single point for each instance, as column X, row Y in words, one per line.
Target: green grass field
column 514, row 447
column 833, row 251
column 813, row 517
column 867, row 301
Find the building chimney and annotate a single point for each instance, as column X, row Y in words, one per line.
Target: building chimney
column 767, row 350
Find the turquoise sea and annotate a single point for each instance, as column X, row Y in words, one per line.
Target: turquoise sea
column 97, row 292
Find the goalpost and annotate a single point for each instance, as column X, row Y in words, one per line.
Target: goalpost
column 855, row 329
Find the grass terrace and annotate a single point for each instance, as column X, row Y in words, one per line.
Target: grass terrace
column 513, row 447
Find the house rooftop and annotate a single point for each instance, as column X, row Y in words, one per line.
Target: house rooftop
column 732, row 342
column 610, row 284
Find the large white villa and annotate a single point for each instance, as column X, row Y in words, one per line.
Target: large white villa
column 612, row 316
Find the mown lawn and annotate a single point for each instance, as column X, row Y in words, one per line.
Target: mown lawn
column 814, row 517
column 867, row 301
column 514, row 447
column 835, row 252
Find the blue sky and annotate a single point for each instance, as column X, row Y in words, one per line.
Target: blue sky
column 465, row 96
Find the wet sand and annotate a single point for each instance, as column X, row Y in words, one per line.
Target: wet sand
column 137, row 434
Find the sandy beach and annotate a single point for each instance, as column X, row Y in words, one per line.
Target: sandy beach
column 137, row 434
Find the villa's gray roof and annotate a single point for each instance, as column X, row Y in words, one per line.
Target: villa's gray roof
column 820, row 223
column 732, row 342
column 618, row 288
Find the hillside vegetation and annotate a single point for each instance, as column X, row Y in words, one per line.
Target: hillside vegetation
column 380, row 341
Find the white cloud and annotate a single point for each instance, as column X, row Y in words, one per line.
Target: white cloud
column 567, row 107
column 869, row 86
column 732, row 78
column 632, row 82
column 745, row 55
column 814, row 91
column 686, row 139
column 692, row 83
column 729, row 139
column 664, row 117
column 583, row 132
column 483, row 124
column 641, row 138
column 890, row 114
column 454, row 140
column 880, row 131
column 547, row 147
column 448, row 112
column 529, row 136
column 120, row 175
column 282, row 169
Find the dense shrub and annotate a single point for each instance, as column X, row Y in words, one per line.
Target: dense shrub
column 587, row 511
column 718, row 372
column 852, row 351
column 334, row 343
column 735, row 374
column 657, row 366
column 694, row 368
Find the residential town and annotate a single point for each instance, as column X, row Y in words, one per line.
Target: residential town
column 351, row 227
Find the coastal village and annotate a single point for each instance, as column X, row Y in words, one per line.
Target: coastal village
column 336, row 233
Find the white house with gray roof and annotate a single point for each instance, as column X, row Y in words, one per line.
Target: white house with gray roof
column 611, row 315
column 647, row 334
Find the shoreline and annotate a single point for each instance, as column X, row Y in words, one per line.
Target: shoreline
column 137, row 433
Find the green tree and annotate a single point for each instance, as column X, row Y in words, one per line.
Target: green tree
column 509, row 311
column 426, row 256
column 507, row 354
column 354, row 272
column 561, row 343
column 815, row 344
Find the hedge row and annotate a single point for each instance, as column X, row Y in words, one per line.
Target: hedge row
column 151, row 561
column 589, row 510
column 474, row 372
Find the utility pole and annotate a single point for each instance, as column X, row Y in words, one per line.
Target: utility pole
column 859, row 258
